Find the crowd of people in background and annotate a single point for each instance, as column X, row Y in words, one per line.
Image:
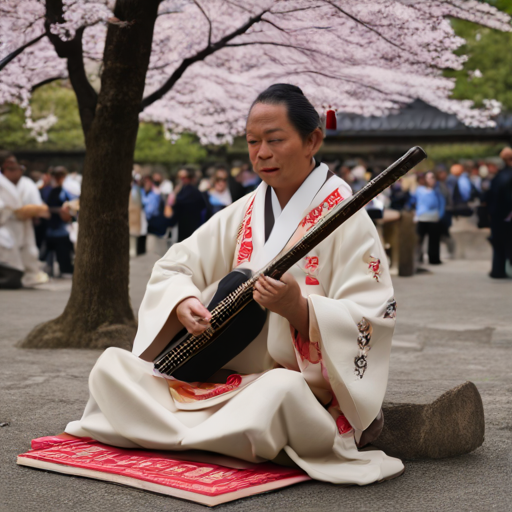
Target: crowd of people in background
column 174, row 211
column 39, row 211
column 38, row 214
column 482, row 189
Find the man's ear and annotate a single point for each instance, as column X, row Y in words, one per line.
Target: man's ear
column 315, row 140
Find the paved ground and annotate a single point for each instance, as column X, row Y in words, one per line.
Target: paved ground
column 453, row 325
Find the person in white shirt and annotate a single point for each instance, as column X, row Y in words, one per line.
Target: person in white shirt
column 20, row 202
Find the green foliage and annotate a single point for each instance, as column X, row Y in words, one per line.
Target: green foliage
column 66, row 134
column 60, row 100
column 450, row 153
column 153, row 148
column 12, row 134
column 488, row 51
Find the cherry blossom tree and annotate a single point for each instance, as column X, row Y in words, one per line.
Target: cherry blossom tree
column 195, row 66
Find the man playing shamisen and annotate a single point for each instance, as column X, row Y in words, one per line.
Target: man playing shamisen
column 308, row 386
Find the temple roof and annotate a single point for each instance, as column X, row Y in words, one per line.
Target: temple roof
column 418, row 120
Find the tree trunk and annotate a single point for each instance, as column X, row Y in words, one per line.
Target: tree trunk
column 99, row 313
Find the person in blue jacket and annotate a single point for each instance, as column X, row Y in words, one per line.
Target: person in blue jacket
column 430, row 208
column 153, row 205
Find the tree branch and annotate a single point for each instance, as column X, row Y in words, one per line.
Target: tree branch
column 283, row 45
column 337, row 77
column 72, row 51
column 186, row 63
column 301, row 49
column 298, row 9
column 15, row 53
column 274, row 25
column 47, row 81
column 200, row 7
column 365, row 25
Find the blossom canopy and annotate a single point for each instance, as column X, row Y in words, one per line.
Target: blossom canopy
column 211, row 58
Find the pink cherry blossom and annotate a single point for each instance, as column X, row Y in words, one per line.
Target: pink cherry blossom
column 360, row 56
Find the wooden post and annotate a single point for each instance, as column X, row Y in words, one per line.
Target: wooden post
column 408, row 242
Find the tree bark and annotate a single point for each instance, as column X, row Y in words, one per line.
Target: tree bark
column 98, row 313
column 72, row 51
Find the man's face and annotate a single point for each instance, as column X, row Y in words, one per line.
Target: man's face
column 147, row 183
column 183, row 177
column 456, row 170
column 47, row 179
column 276, row 149
column 430, row 180
column 12, row 170
column 493, row 168
column 157, row 178
column 220, row 181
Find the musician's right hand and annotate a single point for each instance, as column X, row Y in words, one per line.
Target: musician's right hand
column 193, row 316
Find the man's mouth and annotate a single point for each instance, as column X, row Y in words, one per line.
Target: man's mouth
column 269, row 169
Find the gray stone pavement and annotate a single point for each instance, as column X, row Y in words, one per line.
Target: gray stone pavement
column 454, row 324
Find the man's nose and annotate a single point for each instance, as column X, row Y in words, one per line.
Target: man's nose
column 264, row 152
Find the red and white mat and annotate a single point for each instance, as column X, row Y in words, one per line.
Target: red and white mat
column 196, row 476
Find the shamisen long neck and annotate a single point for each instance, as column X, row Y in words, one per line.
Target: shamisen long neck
column 285, row 222
column 339, row 214
column 319, row 232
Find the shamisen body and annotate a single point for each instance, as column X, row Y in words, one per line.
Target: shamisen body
column 314, row 379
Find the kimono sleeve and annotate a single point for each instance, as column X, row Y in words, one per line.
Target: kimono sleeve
column 29, row 192
column 9, row 199
column 354, row 322
column 186, row 270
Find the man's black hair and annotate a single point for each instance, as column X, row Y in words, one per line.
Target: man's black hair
column 301, row 113
column 4, row 155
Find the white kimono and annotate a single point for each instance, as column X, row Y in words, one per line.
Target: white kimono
column 10, row 231
column 18, row 248
column 308, row 398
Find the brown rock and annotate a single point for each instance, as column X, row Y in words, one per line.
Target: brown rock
column 451, row 425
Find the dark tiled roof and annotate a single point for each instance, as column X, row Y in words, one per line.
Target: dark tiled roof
column 416, row 119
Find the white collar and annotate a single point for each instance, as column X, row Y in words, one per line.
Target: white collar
column 286, row 221
column 276, row 206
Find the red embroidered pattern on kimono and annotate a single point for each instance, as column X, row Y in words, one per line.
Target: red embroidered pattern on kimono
column 343, row 425
column 307, row 350
column 316, row 213
column 310, row 267
column 186, row 392
column 245, row 251
column 374, row 267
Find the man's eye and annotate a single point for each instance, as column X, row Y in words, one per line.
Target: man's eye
column 251, row 142
column 275, row 140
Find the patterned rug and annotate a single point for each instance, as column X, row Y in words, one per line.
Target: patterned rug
column 201, row 477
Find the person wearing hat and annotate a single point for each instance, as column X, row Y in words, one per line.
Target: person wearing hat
column 499, row 203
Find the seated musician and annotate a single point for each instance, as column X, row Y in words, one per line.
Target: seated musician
column 308, row 387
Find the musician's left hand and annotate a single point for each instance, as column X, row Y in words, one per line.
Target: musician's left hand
column 284, row 298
